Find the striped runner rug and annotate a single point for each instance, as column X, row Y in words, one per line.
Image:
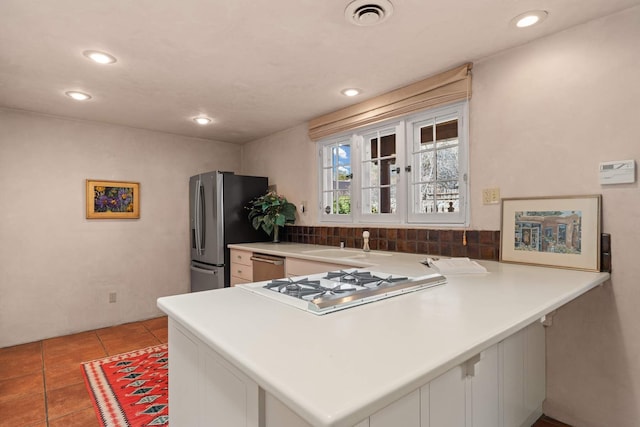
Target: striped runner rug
column 130, row 389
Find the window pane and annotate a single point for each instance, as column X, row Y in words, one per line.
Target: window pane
column 424, row 196
column 447, row 163
column 447, row 197
column 379, row 176
column 343, row 203
column 343, row 155
column 447, row 130
column 336, row 178
column 426, row 136
column 327, row 202
column 427, row 168
column 337, row 202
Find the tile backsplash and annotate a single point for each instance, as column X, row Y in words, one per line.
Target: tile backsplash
column 480, row 244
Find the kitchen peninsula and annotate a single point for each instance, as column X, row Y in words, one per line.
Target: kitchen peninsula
column 471, row 349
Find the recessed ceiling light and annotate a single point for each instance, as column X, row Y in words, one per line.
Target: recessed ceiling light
column 78, row 96
column 530, row 18
column 202, row 120
column 99, row 57
column 350, row 92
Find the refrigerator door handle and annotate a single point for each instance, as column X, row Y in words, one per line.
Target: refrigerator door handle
column 198, row 217
column 204, row 271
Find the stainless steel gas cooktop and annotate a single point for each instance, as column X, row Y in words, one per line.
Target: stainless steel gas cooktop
column 337, row 290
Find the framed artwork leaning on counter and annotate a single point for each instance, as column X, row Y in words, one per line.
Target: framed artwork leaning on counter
column 559, row 232
column 113, row 199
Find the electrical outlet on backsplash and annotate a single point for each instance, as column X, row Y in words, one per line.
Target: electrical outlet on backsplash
column 480, row 244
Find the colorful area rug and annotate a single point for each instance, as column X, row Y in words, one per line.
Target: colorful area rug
column 130, row 389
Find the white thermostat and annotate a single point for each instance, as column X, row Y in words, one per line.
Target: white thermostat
column 618, row 172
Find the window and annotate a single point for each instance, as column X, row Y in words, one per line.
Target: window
column 377, row 182
column 336, row 179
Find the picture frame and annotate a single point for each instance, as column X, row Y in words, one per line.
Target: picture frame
column 113, row 199
column 561, row 232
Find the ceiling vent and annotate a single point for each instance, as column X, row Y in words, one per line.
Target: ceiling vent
column 368, row 12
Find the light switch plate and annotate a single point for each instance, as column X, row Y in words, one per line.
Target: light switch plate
column 618, row 172
column 490, row 196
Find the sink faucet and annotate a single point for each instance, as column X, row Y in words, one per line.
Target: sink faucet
column 365, row 236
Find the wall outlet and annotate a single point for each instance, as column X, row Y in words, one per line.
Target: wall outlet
column 490, row 196
column 112, row 297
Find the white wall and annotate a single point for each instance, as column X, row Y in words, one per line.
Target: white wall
column 56, row 267
column 288, row 159
column 542, row 117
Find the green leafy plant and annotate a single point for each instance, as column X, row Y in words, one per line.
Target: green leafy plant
column 270, row 212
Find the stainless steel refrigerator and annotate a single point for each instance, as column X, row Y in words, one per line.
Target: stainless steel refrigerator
column 217, row 203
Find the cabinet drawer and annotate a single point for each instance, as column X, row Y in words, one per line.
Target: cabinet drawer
column 240, row 257
column 242, row 271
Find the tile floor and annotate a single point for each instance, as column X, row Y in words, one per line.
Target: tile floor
column 41, row 384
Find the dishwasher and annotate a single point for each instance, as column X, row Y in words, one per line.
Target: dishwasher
column 267, row 267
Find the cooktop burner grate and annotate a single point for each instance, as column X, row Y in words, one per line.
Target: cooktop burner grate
column 336, row 290
column 362, row 278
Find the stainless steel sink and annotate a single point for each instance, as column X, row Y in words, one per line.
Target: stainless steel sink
column 345, row 253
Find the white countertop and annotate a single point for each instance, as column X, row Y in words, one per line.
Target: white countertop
column 337, row 369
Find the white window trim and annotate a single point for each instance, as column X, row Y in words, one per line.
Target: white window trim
column 404, row 130
column 397, row 127
column 461, row 218
column 323, row 216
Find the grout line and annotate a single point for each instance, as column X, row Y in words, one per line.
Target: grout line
column 151, row 332
column 101, row 343
column 44, row 385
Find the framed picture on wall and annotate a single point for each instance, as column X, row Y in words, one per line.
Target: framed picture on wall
column 113, row 199
column 552, row 231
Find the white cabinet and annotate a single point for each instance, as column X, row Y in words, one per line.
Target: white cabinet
column 484, row 405
column 204, row 389
column 278, row 414
column 466, row 395
column 403, row 412
column 447, row 400
column 503, row 386
column 522, row 382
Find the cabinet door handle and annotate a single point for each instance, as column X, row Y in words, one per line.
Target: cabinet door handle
column 268, row 261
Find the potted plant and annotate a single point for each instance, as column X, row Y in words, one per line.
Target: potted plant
column 270, row 212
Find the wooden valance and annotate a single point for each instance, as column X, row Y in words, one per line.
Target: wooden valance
column 450, row 86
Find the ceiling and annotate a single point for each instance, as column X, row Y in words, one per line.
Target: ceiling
column 254, row 66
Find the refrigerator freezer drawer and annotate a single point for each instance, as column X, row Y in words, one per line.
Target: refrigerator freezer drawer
column 206, row 278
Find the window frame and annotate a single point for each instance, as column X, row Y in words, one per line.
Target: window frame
column 404, row 131
column 334, row 141
column 460, row 218
column 391, row 127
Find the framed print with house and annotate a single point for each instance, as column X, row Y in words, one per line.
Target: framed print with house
column 552, row 231
column 112, row 199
